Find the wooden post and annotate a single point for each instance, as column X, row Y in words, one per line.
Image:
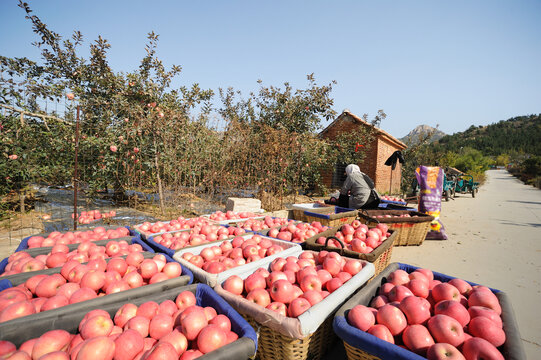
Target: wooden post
column 75, row 175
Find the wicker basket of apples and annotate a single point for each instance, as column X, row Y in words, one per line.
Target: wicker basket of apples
column 75, row 237
column 388, row 199
column 411, row 226
column 45, row 293
column 182, row 322
column 413, row 313
column 291, row 303
column 357, row 240
column 213, row 263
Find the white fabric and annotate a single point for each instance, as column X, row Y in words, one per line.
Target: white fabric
column 351, row 169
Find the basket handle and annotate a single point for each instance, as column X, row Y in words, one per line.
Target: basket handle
column 364, row 214
column 339, row 241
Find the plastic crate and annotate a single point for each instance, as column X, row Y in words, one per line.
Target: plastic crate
column 68, row 319
column 410, row 230
column 290, row 249
column 307, row 337
column 45, row 250
column 24, row 242
column 17, row 279
column 361, row 345
column 380, row 256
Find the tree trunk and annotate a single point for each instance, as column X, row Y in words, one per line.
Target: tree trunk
column 21, row 199
column 160, row 188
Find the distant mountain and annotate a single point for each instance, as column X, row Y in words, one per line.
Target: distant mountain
column 420, row 132
column 520, row 134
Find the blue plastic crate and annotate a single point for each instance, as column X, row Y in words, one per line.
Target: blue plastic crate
column 46, row 250
column 512, row 349
column 243, row 348
column 24, row 242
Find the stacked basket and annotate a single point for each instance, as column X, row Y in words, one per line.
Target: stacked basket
column 410, row 230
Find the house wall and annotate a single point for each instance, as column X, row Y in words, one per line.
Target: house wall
column 383, row 173
column 374, row 163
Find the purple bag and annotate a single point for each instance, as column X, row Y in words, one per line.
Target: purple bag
column 430, row 179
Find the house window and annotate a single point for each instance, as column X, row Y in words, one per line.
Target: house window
column 339, row 175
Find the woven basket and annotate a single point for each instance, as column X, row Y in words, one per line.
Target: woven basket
column 353, row 353
column 331, row 216
column 410, row 230
column 380, row 256
column 274, row 346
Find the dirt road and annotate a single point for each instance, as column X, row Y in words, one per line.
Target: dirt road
column 494, row 240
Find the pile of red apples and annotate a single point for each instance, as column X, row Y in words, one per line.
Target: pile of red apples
column 358, row 237
column 79, row 282
column 297, row 233
column 438, row 320
column 292, row 285
column 99, row 233
column 230, row 254
column 177, row 329
column 60, row 254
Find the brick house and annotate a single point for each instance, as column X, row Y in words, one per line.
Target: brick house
column 373, row 165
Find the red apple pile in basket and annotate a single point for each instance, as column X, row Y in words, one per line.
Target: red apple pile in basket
column 230, row 254
column 177, row 329
column 291, row 286
column 392, row 198
column 358, row 237
column 174, row 225
column 60, row 254
column 79, row 282
column 231, row 215
column 261, row 224
column 196, row 236
column 99, row 233
column 86, row 217
column 297, row 233
column 439, row 320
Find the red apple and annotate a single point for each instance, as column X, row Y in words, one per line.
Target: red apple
column 417, row 339
column 361, row 317
column 392, row 318
column 453, row 309
column 485, row 328
column 446, row 329
column 444, row 351
column 211, row 338
column 382, row 332
column 128, row 344
column 478, row 348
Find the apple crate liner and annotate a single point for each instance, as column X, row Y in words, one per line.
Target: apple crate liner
column 361, row 345
column 305, row 337
column 24, row 242
column 244, row 347
column 331, row 215
column 45, row 250
column 380, row 256
column 411, row 230
column 17, row 279
column 290, row 249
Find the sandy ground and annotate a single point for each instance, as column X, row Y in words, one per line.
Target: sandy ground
column 494, row 240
